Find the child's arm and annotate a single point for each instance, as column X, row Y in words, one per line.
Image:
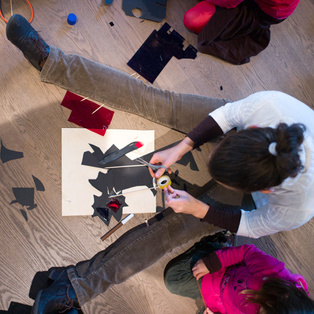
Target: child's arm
column 255, row 259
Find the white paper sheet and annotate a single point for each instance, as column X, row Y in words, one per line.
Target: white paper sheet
column 77, row 192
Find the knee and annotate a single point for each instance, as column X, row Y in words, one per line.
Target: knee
column 197, row 17
column 171, row 281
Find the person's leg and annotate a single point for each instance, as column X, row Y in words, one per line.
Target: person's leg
column 107, row 85
column 119, row 90
column 134, row 251
column 178, row 275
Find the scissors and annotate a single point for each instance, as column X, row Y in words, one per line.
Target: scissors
column 164, row 180
column 153, row 167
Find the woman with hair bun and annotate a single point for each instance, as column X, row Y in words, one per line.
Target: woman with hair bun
column 272, row 152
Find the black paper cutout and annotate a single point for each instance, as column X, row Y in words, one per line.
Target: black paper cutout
column 92, row 159
column 24, row 196
column 157, row 51
column 23, row 212
column 154, row 10
column 7, row 154
column 103, row 213
column 38, row 184
column 118, row 179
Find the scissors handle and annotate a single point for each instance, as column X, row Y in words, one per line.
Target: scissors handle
column 153, row 167
column 156, row 167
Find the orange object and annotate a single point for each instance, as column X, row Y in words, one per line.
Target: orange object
column 32, row 13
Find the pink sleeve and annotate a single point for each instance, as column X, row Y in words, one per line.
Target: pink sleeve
column 255, row 260
column 228, row 4
column 258, row 262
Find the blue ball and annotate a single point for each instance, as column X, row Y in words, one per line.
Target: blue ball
column 72, row 19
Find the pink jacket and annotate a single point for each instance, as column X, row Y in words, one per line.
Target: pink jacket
column 242, row 267
column 279, row 9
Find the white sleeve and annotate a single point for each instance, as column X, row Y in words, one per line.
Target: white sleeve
column 236, row 114
column 260, row 109
column 270, row 219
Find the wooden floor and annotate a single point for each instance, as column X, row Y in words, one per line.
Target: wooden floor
column 31, row 120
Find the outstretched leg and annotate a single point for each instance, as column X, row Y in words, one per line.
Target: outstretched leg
column 118, row 90
column 134, row 251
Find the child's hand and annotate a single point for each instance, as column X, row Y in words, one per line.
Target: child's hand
column 208, row 311
column 199, row 269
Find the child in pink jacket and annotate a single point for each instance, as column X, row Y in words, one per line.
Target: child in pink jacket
column 237, row 280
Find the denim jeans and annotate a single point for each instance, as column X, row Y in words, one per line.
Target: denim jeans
column 141, row 246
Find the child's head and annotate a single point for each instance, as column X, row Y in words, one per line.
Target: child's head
column 257, row 158
column 279, row 296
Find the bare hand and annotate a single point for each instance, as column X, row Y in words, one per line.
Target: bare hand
column 183, row 202
column 199, row 269
column 170, row 156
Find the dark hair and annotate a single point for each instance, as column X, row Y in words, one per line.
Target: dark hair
column 279, row 296
column 242, row 159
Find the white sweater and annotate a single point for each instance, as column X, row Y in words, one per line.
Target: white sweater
column 292, row 203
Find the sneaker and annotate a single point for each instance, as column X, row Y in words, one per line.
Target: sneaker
column 26, row 38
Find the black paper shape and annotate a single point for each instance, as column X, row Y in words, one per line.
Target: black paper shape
column 7, row 154
column 154, row 10
column 118, row 179
column 92, row 159
column 38, row 184
column 115, row 179
column 24, row 196
column 157, row 51
column 103, row 213
column 23, row 212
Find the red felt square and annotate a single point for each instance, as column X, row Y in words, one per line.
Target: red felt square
column 82, row 113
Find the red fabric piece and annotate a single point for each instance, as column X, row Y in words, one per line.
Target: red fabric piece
column 82, row 113
column 197, row 17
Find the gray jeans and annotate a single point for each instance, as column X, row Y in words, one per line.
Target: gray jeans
column 121, row 91
column 133, row 251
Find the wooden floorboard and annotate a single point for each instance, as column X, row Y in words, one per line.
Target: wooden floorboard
column 31, row 121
